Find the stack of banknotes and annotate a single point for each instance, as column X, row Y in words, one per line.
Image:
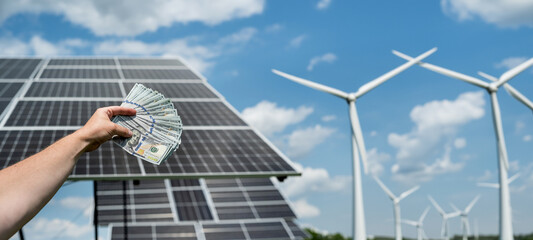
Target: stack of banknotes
column 156, row 128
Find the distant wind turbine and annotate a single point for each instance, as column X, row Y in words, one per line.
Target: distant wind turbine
column 419, row 225
column 497, row 185
column 396, row 205
column 506, row 226
column 445, row 217
column 465, row 226
column 358, row 145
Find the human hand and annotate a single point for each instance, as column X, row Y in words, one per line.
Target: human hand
column 100, row 129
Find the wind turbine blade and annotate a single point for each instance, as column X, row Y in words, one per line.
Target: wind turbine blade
column 511, row 90
column 454, row 207
column 356, row 128
column 381, row 79
column 514, row 177
column 487, row 76
column 311, row 84
column 469, row 207
column 513, row 72
column 496, row 115
column 447, row 72
column 518, row 96
column 423, row 215
column 491, row 185
column 408, row 192
column 412, row 223
column 436, row 205
column 385, row 189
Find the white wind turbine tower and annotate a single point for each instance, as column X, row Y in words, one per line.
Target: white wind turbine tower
column 506, row 228
column 465, row 226
column 359, row 229
column 396, row 206
column 497, row 185
column 419, row 225
column 445, row 217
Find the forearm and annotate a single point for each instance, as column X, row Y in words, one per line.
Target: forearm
column 28, row 185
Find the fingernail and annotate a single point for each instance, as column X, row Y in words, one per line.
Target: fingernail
column 130, row 132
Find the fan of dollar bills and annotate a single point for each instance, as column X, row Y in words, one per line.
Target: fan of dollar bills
column 156, row 128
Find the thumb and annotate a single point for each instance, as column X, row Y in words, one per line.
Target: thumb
column 121, row 131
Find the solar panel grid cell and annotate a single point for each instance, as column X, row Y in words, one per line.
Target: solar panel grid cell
column 74, row 89
column 17, row 68
column 54, row 113
column 150, row 62
column 207, row 114
column 82, row 61
column 174, row 74
column 9, row 89
column 80, row 73
column 178, row 90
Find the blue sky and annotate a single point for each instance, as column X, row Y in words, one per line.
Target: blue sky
column 420, row 128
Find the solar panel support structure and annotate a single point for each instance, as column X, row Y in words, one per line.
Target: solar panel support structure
column 125, row 210
column 21, row 234
column 95, row 213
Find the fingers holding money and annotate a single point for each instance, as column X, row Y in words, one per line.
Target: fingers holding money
column 118, row 110
column 99, row 128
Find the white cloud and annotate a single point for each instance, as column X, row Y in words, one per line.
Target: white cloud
column 134, row 17
column 313, row 180
column 376, row 160
column 373, row 133
column 519, row 126
column 503, row 13
column 459, row 143
column 328, row 118
column 268, row 118
column 510, row 62
column 305, row 210
column 422, row 172
column 327, row 58
column 297, row 41
column 43, row 228
column 527, row 138
column 82, row 203
column 323, row 4
column 303, row 141
column 13, row 47
column 274, row 28
column 199, row 56
column 38, row 46
column 435, row 122
column 487, row 175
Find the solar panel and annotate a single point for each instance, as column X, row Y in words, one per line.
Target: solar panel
column 81, row 61
column 178, row 90
column 272, row 229
column 216, row 142
column 3, row 105
column 207, row 114
column 190, row 200
column 54, row 113
column 80, row 73
column 74, row 89
column 175, row 74
column 9, row 89
column 16, row 68
column 150, row 62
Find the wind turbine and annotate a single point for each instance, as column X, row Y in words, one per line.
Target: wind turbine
column 464, row 217
column 506, row 227
column 419, row 225
column 396, row 205
column 497, row 185
column 359, row 229
column 445, row 217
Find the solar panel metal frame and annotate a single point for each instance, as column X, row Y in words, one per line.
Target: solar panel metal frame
column 43, row 64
